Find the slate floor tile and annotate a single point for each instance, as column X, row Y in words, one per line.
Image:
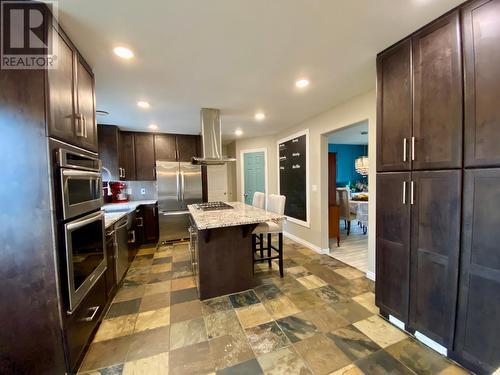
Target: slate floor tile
column 297, row 327
column 266, row 338
column 244, row 299
column 381, row 363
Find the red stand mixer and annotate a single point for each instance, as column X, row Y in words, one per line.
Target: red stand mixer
column 118, row 192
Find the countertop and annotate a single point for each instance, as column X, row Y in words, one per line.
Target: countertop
column 241, row 214
column 115, row 211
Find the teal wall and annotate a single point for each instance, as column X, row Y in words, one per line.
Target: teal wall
column 346, row 154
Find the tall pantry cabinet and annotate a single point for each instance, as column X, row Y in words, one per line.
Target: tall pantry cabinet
column 438, row 262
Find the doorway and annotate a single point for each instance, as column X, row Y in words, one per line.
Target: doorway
column 348, row 194
column 253, row 173
column 217, row 183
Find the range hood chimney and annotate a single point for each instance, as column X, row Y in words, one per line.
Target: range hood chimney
column 211, row 139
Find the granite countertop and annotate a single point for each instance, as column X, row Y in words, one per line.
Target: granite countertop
column 241, row 214
column 115, row 211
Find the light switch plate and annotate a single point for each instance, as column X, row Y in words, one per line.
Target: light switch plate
column 143, row 191
column 314, row 187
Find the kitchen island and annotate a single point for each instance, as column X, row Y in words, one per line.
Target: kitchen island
column 221, row 247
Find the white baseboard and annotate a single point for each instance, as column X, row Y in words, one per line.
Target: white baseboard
column 311, row 246
column 370, row 275
column 431, row 344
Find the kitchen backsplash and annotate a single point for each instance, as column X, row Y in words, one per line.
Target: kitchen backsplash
column 134, row 190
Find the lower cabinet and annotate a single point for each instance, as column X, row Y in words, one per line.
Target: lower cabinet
column 83, row 321
column 435, row 199
column 477, row 342
column 418, row 244
column 146, row 227
column 392, row 286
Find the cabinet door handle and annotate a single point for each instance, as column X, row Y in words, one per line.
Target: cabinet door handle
column 85, row 133
column 404, row 149
column 412, row 148
column 80, row 132
column 94, row 310
column 141, row 221
column 124, row 173
column 412, row 192
column 404, row 192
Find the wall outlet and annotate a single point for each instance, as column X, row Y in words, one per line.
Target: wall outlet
column 143, row 191
column 129, row 191
column 314, row 187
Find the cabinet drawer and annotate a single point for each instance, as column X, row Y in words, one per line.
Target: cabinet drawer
column 81, row 324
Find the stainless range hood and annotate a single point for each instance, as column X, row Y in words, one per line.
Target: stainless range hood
column 211, row 139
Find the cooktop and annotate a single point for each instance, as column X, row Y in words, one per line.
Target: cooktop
column 213, row 206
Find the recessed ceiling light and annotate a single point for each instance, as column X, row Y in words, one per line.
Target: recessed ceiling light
column 153, row 126
column 238, row 132
column 143, row 104
column 301, row 83
column 260, row 116
column 123, row 52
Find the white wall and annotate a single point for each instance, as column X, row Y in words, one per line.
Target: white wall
column 359, row 108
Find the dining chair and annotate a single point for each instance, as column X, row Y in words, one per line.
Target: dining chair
column 259, row 200
column 345, row 210
column 276, row 204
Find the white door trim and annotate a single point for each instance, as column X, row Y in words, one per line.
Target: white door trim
column 242, row 169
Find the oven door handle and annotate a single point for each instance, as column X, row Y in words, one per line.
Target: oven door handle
column 74, row 173
column 84, row 221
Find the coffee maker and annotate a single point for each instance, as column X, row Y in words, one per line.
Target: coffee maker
column 118, row 192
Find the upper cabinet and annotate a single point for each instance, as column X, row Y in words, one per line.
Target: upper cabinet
column 437, row 95
column 481, row 49
column 85, row 100
column 126, row 156
column 419, row 100
column 108, row 136
column 166, row 147
column 187, row 147
column 177, row 147
column 71, row 104
column 394, row 108
column 145, row 160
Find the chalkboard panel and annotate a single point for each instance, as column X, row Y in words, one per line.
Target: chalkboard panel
column 293, row 176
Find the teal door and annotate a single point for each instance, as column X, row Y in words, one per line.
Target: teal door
column 254, row 169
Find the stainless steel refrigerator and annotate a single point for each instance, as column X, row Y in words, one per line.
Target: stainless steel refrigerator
column 179, row 184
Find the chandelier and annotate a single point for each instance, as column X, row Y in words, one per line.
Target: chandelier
column 361, row 165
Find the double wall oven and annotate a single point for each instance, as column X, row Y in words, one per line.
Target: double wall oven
column 80, row 221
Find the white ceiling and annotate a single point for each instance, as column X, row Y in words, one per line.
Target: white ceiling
column 237, row 55
column 350, row 135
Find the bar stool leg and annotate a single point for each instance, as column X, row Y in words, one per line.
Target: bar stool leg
column 280, row 250
column 261, row 237
column 254, row 245
column 269, row 243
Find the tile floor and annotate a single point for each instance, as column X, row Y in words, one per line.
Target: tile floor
column 319, row 319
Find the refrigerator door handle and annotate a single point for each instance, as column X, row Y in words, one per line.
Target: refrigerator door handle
column 183, row 185
column 178, row 185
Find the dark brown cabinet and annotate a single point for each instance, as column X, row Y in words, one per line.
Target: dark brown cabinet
column 437, row 242
column 187, row 147
column 481, row 50
column 394, row 108
column 146, row 224
column 166, row 147
column 435, row 200
column 61, row 122
column 85, row 100
column 393, row 244
column 110, row 274
column 126, row 156
column 437, row 95
column 171, row 147
column 108, row 136
column 71, row 103
column 151, row 226
column 144, row 157
column 478, row 322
